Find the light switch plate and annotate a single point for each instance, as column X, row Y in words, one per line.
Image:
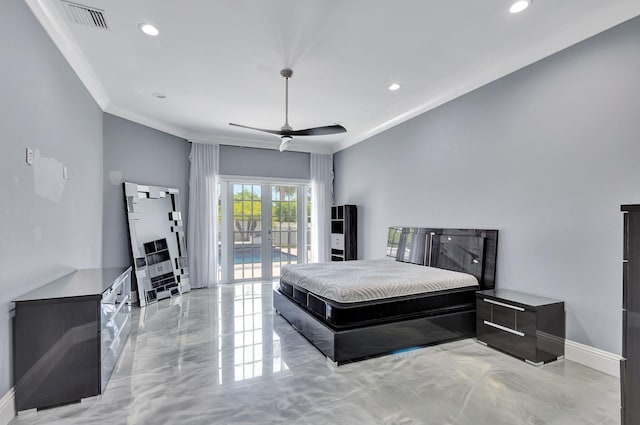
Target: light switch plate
column 65, row 174
column 29, row 156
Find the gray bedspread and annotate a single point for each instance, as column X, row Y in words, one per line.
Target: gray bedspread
column 368, row 280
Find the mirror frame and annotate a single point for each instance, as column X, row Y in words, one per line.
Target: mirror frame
column 146, row 294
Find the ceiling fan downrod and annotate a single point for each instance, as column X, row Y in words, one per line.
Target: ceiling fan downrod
column 287, row 74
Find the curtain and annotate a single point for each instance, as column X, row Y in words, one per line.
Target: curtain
column 321, row 201
column 202, row 245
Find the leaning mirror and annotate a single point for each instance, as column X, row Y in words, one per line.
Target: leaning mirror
column 157, row 242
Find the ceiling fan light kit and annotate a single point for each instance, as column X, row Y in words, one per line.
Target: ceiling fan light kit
column 286, row 132
column 286, row 141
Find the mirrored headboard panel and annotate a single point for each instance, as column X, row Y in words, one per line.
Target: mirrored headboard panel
column 413, row 246
column 459, row 253
column 393, row 241
column 157, row 242
column 471, row 251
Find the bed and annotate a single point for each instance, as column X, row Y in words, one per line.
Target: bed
column 423, row 293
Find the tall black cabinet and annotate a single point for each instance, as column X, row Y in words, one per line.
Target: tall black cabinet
column 630, row 364
column 344, row 235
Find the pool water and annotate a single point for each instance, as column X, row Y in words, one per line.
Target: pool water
column 251, row 255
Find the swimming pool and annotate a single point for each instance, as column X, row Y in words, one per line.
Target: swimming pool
column 252, row 255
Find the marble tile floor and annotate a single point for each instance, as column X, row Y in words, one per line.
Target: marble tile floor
column 221, row 356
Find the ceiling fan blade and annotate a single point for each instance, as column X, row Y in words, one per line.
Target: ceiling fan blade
column 317, row 131
column 278, row 132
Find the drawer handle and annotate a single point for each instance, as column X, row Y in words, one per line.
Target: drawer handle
column 503, row 328
column 502, row 304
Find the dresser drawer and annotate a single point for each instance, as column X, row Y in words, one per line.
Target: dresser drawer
column 507, row 315
column 337, row 241
column 113, row 298
column 110, row 356
column 114, row 327
column 109, row 311
column 521, row 345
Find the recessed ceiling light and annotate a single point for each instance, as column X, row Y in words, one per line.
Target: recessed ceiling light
column 394, row 86
column 519, row 6
column 149, row 29
column 159, row 95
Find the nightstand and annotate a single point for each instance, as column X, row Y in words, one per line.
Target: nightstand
column 526, row 326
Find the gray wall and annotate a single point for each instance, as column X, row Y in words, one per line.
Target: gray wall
column 138, row 154
column 241, row 161
column 546, row 155
column 48, row 226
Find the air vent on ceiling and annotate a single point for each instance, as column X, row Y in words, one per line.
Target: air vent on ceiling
column 86, row 15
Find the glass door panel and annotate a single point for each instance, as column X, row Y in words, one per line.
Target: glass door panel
column 247, row 231
column 261, row 232
column 284, row 227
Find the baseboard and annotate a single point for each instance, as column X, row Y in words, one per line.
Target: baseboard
column 7, row 407
column 594, row 358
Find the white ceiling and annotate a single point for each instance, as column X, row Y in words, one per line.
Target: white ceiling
column 218, row 61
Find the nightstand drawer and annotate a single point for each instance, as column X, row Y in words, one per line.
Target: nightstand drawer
column 519, row 345
column 526, row 322
column 507, row 315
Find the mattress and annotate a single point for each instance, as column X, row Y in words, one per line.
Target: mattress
column 370, row 280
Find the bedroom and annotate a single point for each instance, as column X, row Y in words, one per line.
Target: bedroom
column 548, row 164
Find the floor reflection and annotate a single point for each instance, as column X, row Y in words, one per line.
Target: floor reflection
column 234, row 323
column 254, row 343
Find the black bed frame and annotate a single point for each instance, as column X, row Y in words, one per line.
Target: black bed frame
column 471, row 251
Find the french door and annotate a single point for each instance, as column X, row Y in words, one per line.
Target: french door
column 264, row 226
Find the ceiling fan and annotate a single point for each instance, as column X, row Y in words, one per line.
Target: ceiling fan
column 287, row 133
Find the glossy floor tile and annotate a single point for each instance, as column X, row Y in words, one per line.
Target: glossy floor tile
column 220, row 356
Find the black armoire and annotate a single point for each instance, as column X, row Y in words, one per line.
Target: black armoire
column 344, row 234
column 630, row 363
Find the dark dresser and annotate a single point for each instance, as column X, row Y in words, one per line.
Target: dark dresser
column 630, row 363
column 526, row 326
column 67, row 336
